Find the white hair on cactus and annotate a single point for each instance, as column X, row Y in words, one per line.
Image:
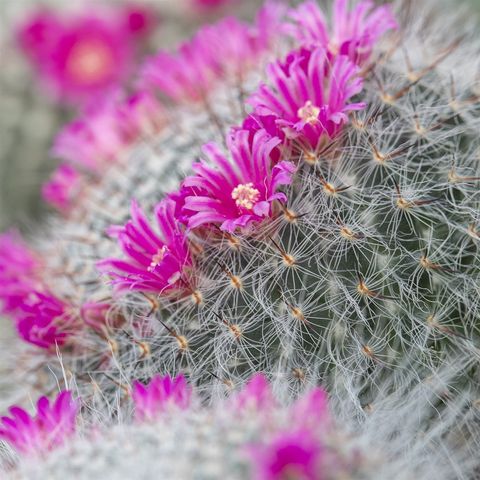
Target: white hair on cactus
column 370, row 271
column 424, row 428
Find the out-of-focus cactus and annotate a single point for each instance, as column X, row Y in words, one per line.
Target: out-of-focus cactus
column 251, row 434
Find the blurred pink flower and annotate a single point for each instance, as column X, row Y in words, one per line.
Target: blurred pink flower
column 296, row 455
column 37, row 36
column 140, row 114
column 80, row 58
column 62, row 187
column 311, row 411
column 186, row 75
column 239, row 46
column 256, row 395
column 102, row 132
column 44, row 320
column 89, row 142
column 241, row 191
column 160, row 395
column 308, row 95
column 354, row 32
column 155, row 263
column 228, row 48
column 49, row 428
column 93, row 140
column 19, row 267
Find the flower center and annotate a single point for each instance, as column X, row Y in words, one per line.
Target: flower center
column 158, row 258
column 309, row 113
column 334, row 47
column 245, row 195
column 90, row 61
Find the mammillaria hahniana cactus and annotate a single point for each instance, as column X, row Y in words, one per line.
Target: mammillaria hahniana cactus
column 329, row 233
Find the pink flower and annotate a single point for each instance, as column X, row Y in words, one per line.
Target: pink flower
column 238, row 46
column 80, row 58
column 311, row 411
column 140, row 114
column 49, row 428
column 62, row 188
column 41, row 318
column 88, row 57
column 256, row 395
column 268, row 24
column 184, row 76
column 100, row 135
column 229, row 48
column 253, row 123
column 354, row 34
column 309, row 96
column 156, row 263
column 160, row 395
column 295, row 455
column 236, row 193
column 44, row 320
column 19, row 266
column 94, row 139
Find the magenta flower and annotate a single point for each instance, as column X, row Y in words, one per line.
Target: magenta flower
column 257, row 395
column 79, row 58
column 100, row 135
column 41, row 318
column 239, row 46
column 156, row 263
column 296, row 455
column 309, row 96
column 84, row 56
column 44, row 320
column 354, row 32
column 268, row 25
column 140, row 114
column 237, row 193
column 49, row 428
column 93, row 140
column 62, row 188
column 236, row 46
column 160, row 395
column 184, row 76
column 226, row 49
column 311, row 411
column 19, row 267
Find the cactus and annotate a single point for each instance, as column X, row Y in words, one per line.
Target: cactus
column 328, row 235
column 250, row 434
column 375, row 252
